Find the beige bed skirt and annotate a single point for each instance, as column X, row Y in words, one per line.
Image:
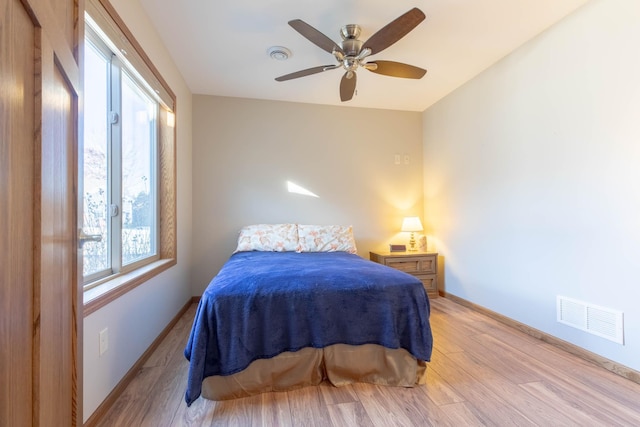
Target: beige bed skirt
column 340, row 364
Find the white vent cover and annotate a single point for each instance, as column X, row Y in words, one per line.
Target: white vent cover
column 603, row 322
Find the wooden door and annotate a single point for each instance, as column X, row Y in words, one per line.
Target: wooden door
column 17, row 177
column 41, row 313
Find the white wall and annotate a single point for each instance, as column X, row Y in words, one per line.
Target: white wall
column 245, row 150
column 531, row 177
column 137, row 318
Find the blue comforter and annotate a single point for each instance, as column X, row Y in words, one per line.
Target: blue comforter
column 264, row 303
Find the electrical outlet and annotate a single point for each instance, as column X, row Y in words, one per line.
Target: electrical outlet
column 104, row 341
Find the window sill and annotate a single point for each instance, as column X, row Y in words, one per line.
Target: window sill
column 98, row 297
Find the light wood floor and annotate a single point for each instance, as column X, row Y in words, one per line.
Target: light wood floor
column 482, row 373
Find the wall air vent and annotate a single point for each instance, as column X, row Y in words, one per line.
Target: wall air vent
column 603, row 322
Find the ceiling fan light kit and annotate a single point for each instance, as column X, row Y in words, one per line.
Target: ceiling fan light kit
column 352, row 53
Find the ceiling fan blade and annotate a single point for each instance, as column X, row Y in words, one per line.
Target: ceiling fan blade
column 314, row 36
column 307, row 72
column 394, row 31
column 396, row 69
column 348, row 86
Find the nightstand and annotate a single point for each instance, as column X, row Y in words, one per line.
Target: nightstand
column 423, row 265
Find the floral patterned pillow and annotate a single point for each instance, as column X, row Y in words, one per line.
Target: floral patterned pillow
column 326, row 238
column 268, row 237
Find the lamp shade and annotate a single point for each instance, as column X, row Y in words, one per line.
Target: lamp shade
column 411, row 223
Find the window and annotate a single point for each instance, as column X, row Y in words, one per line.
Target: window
column 120, row 166
column 127, row 174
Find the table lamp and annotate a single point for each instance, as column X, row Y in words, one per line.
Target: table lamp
column 412, row 224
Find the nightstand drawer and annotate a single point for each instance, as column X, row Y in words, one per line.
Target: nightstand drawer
column 430, row 283
column 422, row 265
column 413, row 265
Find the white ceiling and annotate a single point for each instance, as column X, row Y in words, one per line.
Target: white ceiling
column 220, row 46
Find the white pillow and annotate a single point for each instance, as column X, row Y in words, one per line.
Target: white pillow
column 268, row 238
column 326, row 238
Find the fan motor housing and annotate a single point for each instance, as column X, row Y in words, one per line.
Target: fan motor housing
column 351, row 47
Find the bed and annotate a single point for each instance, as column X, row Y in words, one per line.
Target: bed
column 294, row 306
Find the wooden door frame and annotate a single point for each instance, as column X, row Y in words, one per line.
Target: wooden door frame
column 58, row 30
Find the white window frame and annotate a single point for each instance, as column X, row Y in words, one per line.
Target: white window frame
column 115, row 198
column 128, row 50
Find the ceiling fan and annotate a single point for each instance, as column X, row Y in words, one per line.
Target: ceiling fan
column 351, row 53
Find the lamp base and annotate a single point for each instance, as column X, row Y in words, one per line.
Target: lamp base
column 412, row 243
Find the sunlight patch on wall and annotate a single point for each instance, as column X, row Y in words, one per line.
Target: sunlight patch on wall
column 295, row 188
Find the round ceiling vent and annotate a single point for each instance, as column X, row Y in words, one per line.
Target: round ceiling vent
column 279, row 53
